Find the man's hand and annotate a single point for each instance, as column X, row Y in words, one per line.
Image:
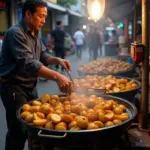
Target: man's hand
column 64, row 83
column 65, row 64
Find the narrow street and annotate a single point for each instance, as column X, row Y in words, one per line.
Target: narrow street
column 43, row 87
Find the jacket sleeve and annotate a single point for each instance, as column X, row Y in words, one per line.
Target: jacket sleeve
column 22, row 53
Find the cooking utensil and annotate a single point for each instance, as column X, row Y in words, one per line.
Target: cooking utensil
column 127, row 73
column 129, row 95
column 85, row 91
column 69, row 73
column 70, row 76
column 82, row 136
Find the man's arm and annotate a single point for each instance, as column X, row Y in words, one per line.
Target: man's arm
column 62, row 81
column 74, row 37
column 24, row 57
column 47, row 60
column 26, row 62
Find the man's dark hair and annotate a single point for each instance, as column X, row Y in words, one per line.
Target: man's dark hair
column 58, row 23
column 31, row 6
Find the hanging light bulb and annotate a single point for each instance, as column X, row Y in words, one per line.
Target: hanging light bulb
column 89, row 18
column 96, row 9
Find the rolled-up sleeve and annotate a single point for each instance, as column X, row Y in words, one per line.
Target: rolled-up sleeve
column 23, row 54
column 44, row 55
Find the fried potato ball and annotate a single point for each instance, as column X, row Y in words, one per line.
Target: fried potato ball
column 40, row 122
column 82, row 122
column 55, row 118
column 36, row 103
column 92, row 125
column 117, row 121
column 49, row 125
column 61, row 126
column 109, row 123
column 66, row 118
column 118, row 111
column 72, row 124
column 45, row 98
column 26, row 107
column 76, row 112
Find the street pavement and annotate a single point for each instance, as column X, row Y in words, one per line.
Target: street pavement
column 48, row 87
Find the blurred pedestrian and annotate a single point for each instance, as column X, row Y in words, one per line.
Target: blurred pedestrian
column 101, row 34
column 90, row 41
column 114, row 38
column 58, row 38
column 106, row 36
column 67, row 44
column 79, row 41
column 95, row 43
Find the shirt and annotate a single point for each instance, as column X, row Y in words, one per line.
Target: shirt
column 113, row 39
column 95, row 40
column 67, row 43
column 79, row 38
column 59, row 35
column 22, row 56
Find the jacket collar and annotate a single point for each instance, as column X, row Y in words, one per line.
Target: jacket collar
column 26, row 28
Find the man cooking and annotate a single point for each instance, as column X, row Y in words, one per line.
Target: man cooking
column 23, row 59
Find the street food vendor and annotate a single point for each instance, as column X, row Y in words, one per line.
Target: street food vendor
column 23, row 59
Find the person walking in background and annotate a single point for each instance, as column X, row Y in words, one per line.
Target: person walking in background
column 89, row 41
column 79, row 41
column 58, row 38
column 67, row 44
column 106, row 36
column 114, row 38
column 101, row 34
column 95, row 43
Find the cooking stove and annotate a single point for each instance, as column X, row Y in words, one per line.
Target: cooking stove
column 133, row 139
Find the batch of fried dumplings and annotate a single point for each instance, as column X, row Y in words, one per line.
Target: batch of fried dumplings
column 74, row 112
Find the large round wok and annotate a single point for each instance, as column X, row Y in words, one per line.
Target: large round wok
column 127, row 73
column 68, row 137
column 128, row 95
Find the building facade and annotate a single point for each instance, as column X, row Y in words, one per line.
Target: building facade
column 11, row 13
column 3, row 16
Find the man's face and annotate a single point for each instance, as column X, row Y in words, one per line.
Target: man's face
column 37, row 20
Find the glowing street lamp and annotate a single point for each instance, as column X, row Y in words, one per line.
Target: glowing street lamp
column 96, row 9
column 84, row 27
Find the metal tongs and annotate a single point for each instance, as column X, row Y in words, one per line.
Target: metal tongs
column 70, row 76
column 86, row 90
